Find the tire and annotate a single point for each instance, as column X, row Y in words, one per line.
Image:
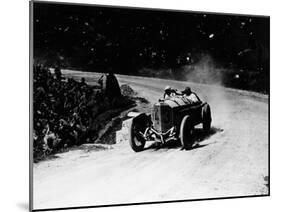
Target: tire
column 206, row 118
column 186, row 129
column 137, row 143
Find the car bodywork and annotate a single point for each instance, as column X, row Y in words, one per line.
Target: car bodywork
column 170, row 119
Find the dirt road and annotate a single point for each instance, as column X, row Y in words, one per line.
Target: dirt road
column 231, row 161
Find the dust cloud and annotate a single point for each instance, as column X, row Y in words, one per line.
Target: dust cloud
column 208, row 71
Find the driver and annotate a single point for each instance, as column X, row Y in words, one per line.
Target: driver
column 191, row 96
column 170, row 92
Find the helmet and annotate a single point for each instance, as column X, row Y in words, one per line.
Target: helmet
column 187, row 90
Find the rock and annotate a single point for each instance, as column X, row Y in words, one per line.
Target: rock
column 126, row 90
column 123, row 134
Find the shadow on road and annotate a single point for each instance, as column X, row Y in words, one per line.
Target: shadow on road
column 198, row 137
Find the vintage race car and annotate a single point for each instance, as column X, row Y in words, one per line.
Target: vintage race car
column 171, row 119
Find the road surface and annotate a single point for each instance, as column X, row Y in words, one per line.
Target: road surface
column 231, row 161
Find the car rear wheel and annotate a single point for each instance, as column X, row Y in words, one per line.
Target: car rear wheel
column 186, row 130
column 206, row 118
column 136, row 140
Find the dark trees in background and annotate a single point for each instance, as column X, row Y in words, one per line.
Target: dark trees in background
column 126, row 40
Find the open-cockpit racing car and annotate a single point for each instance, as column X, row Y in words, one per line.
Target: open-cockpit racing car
column 173, row 118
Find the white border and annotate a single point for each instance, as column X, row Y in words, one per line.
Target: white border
column 15, row 104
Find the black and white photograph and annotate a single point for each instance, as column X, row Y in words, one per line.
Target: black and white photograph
column 136, row 105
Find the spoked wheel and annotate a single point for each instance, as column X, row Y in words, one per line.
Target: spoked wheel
column 186, row 131
column 206, row 118
column 136, row 140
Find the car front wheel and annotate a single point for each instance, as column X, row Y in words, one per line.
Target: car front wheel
column 136, row 140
